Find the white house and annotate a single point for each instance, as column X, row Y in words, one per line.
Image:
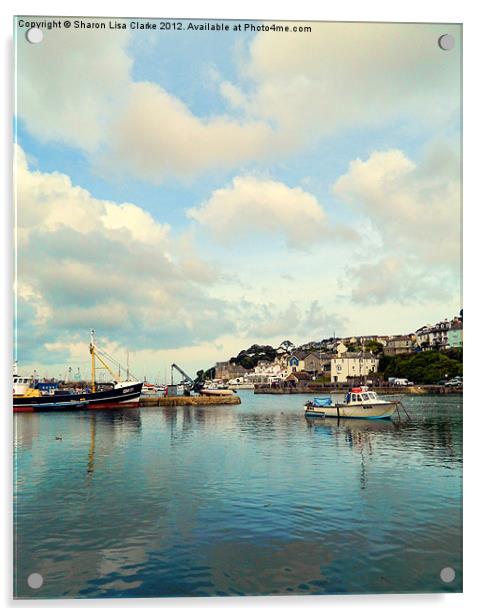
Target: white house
column 347, row 366
column 439, row 336
column 268, row 372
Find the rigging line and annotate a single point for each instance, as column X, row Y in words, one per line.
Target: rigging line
column 117, row 363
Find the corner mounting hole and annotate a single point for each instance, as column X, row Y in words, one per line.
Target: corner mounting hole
column 34, row 35
column 446, row 42
column 447, row 575
column 35, row 580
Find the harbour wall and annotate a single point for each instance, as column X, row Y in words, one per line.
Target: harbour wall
column 188, row 400
column 320, row 389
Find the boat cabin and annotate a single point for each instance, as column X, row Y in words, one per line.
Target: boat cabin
column 20, row 385
column 360, row 395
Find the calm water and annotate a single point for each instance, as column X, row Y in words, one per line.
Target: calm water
column 249, row 499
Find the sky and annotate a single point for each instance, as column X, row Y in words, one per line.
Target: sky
column 189, row 193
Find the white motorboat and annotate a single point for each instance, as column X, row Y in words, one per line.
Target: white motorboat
column 216, row 392
column 359, row 402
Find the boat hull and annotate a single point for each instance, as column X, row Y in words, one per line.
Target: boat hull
column 362, row 411
column 315, row 413
column 123, row 397
column 217, row 392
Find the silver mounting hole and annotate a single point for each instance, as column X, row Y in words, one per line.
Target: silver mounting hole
column 447, row 575
column 34, row 35
column 446, row 42
column 35, row 580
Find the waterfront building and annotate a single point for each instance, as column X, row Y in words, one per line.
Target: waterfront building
column 296, row 361
column 362, row 340
column 424, row 337
column 455, row 336
column 267, row 372
column 399, row 345
column 299, row 377
column 313, row 362
column 346, row 366
column 225, row 370
column 438, row 336
column 330, row 344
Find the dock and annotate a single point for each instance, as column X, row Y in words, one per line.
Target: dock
column 188, row 400
column 314, row 388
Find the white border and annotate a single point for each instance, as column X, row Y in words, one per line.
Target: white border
column 366, row 10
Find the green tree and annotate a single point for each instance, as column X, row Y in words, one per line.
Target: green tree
column 424, row 368
column 372, row 346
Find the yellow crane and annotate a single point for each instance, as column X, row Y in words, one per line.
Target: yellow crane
column 93, row 355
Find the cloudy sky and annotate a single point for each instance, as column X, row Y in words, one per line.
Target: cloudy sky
column 188, row 194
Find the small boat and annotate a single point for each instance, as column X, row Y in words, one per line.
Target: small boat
column 148, row 389
column 359, row 403
column 216, row 392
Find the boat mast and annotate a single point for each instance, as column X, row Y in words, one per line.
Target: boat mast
column 92, row 355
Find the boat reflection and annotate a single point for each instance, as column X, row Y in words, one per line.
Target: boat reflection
column 360, row 435
column 91, row 456
column 350, row 424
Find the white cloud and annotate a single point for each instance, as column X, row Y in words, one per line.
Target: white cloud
column 232, row 94
column 251, row 205
column 300, row 321
column 77, row 87
column 48, row 202
column 68, row 85
column 342, row 75
column 85, row 262
column 415, row 207
column 157, row 136
column 415, row 210
column 395, row 279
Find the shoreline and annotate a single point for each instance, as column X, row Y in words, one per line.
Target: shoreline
column 414, row 390
column 188, row 400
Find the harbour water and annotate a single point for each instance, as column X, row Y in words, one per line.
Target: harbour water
column 234, row 500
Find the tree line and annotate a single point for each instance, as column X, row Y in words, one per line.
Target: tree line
column 424, row 367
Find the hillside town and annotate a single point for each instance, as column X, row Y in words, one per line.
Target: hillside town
column 336, row 360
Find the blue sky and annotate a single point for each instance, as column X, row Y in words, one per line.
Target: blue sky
column 188, row 194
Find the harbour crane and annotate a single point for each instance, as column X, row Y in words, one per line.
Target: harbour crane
column 189, row 383
column 186, row 376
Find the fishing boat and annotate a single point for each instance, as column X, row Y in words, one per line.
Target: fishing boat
column 359, row 403
column 117, row 394
column 22, row 385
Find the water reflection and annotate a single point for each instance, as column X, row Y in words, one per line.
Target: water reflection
column 90, row 464
column 156, row 501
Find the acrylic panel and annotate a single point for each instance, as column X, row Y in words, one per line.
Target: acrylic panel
column 238, row 328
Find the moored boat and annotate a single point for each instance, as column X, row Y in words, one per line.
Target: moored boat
column 359, row 403
column 119, row 394
column 216, row 392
